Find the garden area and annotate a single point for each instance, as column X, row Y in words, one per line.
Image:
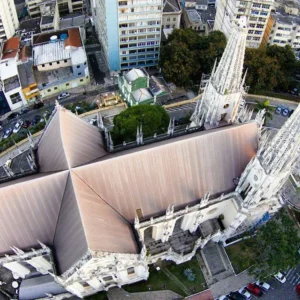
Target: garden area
column 238, row 257
column 184, row 279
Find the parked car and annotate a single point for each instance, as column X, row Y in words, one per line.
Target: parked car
column 36, row 119
column 280, row 277
column 26, row 124
column 278, row 110
column 63, row 96
column 235, row 296
column 285, row 112
column 38, row 105
column 254, row 289
column 223, row 298
column 298, row 289
column 263, row 286
column 18, row 126
column 12, row 115
column 7, row 133
column 24, row 110
column 245, row 293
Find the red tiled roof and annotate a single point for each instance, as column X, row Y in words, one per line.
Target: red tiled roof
column 11, row 48
column 74, row 38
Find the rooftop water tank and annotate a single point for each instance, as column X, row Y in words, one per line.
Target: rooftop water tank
column 63, row 36
column 53, row 38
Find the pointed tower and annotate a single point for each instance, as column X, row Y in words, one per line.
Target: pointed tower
column 274, row 162
column 223, row 93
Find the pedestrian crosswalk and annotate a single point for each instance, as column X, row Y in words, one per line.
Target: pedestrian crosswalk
column 293, row 275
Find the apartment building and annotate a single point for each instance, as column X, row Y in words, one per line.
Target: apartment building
column 171, row 14
column 129, row 31
column 59, row 61
column 256, row 11
column 285, row 31
column 9, row 74
column 8, row 19
column 64, row 6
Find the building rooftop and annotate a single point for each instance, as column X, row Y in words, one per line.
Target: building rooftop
column 26, row 74
column 193, row 16
column 171, row 6
column 72, row 21
column 11, row 47
column 281, row 17
column 47, row 20
column 208, row 16
column 25, row 53
column 134, row 74
column 85, row 199
column 141, row 95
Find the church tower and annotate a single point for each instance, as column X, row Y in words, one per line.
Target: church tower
column 270, row 168
column 223, row 92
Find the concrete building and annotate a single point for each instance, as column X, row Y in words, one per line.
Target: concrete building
column 171, row 14
column 49, row 16
column 63, row 6
column 137, row 87
column 193, row 20
column 129, row 31
column 95, row 215
column 9, row 74
column 60, row 61
column 8, row 19
column 257, row 13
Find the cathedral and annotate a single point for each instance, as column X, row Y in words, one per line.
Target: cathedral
column 92, row 218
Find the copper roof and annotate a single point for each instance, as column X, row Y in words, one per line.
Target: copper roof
column 11, row 47
column 74, row 38
column 81, row 207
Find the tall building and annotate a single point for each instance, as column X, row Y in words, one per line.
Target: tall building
column 129, row 31
column 257, row 13
column 8, row 19
column 222, row 95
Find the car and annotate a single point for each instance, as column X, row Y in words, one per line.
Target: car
column 278, row 110
column 24, row 110
column 38, row 105
column 235, row 296
column 63, row 96
column 13, row 115
column 7, row 133
column 26, row 124
column 18, row 126
column 298, row 289
column 280, row 277
column 245, row 293
column 263, row 286
column 285, row 112
column 254, row 289
column 294, row 91
column 223, row 297
column 36, row 119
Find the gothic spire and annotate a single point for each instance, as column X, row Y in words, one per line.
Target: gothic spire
column 224, row 90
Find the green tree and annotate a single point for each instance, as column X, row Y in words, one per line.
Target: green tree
column 274, row 248
column 153, row 118
column 187, row 55
column 265, row 105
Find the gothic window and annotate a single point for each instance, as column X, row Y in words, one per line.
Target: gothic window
column 107, row 278
column 130, row 271
column 226, row 105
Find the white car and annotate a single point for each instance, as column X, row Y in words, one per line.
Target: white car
column 280, row 277
column 245, row 293
column 7, row 133
column 18, row 126
column 263, row 286
column 63, row 95
column 223, row 298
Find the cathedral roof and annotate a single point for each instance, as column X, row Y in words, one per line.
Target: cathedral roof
column 85, row 198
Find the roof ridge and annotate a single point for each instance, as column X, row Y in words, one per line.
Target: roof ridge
column 73, row 172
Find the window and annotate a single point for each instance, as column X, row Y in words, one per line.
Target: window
column 67, row 84
column 79, row 73
column 85, row 63
column 81, row 80
column 174, row 19
column 55, row 88
column 65, row 60
column 130, row 271
column 58, row 62
column 43, row 65
column 49, row 90
column 50, row 64
column 15, row 98
column 78, row 67
column 87, row 77
column 107, row 278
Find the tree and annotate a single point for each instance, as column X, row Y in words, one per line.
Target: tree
column 265, row 105
column 187, row 55
column 274, row 248
column 153, row 118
